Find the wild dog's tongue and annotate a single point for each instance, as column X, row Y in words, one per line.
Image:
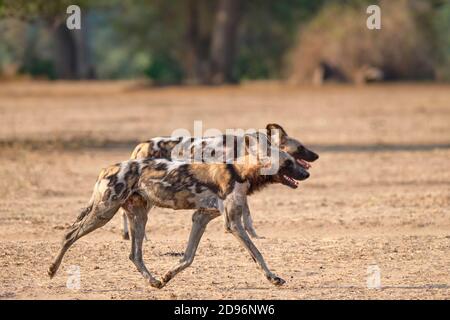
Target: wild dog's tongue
column 303, row 163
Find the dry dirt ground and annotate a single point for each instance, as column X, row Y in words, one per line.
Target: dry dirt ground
column 379, row 194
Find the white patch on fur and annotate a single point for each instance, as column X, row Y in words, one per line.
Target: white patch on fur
column 171, row 165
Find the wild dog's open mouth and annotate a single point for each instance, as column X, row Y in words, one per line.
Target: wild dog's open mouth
column 289, row 181
column 303, row 163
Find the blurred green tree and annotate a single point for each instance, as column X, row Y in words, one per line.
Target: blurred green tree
column 212, row 41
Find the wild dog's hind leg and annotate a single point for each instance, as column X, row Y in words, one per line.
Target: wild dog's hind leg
column 125, row 230
column 234, row 212
column 200, row 220
column 137, row 209
column 93, row 217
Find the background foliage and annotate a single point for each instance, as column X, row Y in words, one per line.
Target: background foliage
column 185, row 41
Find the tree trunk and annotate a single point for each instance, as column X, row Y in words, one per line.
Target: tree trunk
column 196, row 60
column 85, row 68
column 72, row 58
column 224, row 41
column 192, row 38
column 65, row 52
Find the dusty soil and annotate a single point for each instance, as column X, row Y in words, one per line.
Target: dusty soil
column 379, row 194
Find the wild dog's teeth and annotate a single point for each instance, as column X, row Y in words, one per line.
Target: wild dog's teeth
column 293, row 181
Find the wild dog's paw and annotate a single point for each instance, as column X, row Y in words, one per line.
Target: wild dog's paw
column 166, row 278
column 51, row 270
column 156, row 283
column 254, row 235
column 276, row 280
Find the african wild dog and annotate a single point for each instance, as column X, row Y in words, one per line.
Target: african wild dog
column 211, row 189
column 163, row 147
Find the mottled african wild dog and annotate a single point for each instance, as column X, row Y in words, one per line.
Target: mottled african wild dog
column 211, row 189
column 162, row 147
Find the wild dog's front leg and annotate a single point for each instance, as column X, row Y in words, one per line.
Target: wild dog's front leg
column 125, row 230
column 200, row 220
column 239, row 195
column 246, row 218
column 137, row 210
column 234, row 212
column 125, row 233
column 248, row 223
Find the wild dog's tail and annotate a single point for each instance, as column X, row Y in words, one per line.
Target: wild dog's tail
column 74, row 229
column 86, row 210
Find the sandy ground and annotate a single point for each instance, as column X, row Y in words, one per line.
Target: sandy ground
column 379, row 194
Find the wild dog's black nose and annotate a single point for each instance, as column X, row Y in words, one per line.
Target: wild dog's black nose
column 312, row 156
column 305, row 175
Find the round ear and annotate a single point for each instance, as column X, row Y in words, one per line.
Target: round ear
column 276, row 133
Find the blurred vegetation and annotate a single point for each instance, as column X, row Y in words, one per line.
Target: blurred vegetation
column 408, row 46
column 218, row 41
column 441, row 27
